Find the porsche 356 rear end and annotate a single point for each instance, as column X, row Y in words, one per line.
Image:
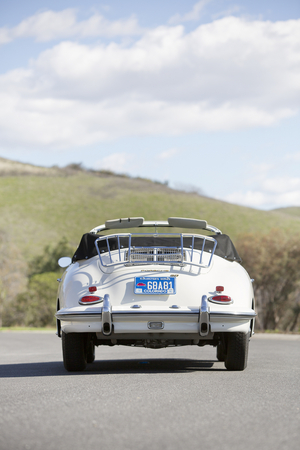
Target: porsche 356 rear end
column 155, row 289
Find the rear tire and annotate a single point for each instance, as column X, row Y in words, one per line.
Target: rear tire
column 90, row 352
column 237, row 351
column 74, row 351
column 220, row 352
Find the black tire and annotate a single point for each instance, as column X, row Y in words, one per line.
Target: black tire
column 237, row 351
column 221, row 352
column 90, row 352
column 74, row 351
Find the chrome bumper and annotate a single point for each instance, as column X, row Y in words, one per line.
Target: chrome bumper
column 108, row 319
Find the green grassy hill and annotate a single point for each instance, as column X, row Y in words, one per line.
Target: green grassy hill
column 291, row 211
column 40, row 206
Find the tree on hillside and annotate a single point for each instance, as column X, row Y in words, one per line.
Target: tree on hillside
column 273, row 261
column 36, row 305
column 47, row 261
column 11, row 270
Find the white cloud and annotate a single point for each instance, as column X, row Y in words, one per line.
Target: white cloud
column 4, row 36
column 254, row 199
column 51, row 25
column 281, row 191
column 192, row 15
column 293, row 156
column 232, row 10
column 282, row 185
column 259, row 199
column 117, row 162
column 168, row 154
column 230, row 74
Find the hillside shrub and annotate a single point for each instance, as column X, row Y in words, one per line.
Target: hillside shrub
column 36, row 305
column 12, row 273
column 47, row 261
column 273, row 260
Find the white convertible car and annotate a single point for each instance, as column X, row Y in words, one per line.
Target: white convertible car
column 155, row 289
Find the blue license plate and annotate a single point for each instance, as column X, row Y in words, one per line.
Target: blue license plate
column 155, row 285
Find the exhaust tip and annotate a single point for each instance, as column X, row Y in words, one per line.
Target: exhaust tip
column 204, row 328
column 107, row 328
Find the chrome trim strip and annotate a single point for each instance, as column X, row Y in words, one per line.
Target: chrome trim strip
column 232, row 315
column 78, row 317
column 62, row 314
column 82, row 315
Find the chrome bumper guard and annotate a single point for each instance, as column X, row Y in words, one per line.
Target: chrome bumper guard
column 204, row 317
column 106, row 316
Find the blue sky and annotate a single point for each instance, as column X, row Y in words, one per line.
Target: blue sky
column 204, row 95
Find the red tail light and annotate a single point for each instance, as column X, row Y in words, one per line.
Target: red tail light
column 221, row 299
column 88, row 299
column 92, row 288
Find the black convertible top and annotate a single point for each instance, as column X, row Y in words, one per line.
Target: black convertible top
column 87, row 249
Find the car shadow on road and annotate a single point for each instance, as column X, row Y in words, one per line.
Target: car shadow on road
column 149, row 365
column 106, row 367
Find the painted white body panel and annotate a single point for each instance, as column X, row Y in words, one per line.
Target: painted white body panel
column 192, row 283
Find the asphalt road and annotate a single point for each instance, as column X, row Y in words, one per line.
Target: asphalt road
column 138, row 399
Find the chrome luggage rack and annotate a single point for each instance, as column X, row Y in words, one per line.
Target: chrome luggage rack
column 118, row 252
